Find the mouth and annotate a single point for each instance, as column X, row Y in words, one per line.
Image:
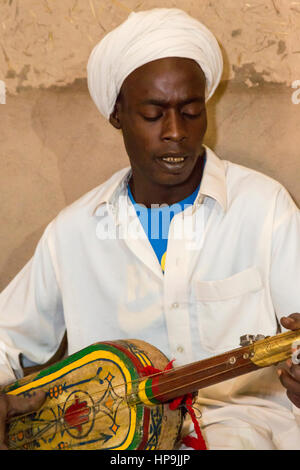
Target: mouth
column 173, row 159
column 172, row 162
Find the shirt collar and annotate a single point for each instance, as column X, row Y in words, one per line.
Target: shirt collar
column 213, row 184
column 112, row 192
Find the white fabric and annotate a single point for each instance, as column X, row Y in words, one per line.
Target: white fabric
column 238, row 273
column 247, row 428
column 146, row 36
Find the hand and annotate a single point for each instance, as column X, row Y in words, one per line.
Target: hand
column 12, row 405
column 290, row 378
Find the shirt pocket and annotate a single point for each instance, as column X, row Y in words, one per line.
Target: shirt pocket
column 230, row 308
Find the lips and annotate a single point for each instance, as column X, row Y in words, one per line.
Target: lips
column 172, row 161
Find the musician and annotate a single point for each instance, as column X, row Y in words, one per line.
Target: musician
column 100, row 273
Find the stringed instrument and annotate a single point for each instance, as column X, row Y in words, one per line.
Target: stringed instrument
column 100, row 398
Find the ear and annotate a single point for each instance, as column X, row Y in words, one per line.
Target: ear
column 114, row 118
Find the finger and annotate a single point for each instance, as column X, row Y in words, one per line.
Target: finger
column 294, row 369
column 289, row 382
column 11, row 405
column 3, row 413
column 292, row 322
column 295, row 399
column 20, row 405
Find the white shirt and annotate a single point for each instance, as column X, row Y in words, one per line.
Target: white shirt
column 235, row 271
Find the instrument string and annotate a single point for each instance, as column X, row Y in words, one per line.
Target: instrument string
column 102, row 416
column 141, row 379
column 237, row 354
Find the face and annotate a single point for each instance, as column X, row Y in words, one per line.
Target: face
column 161, row 112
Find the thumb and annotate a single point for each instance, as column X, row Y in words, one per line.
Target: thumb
column 11, row 405
column 20, row 404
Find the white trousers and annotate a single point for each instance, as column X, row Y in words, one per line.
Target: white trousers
column 266, row 430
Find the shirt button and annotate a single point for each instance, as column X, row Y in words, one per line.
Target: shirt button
column 180, row 349
column 175, row 305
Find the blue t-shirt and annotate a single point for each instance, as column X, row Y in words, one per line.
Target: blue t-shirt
column 156, row 222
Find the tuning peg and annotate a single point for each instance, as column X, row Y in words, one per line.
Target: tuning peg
column 250, row 339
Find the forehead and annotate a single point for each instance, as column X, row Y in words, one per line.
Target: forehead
column 169, row 79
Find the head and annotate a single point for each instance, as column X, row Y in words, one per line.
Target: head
column 151, row 77
column 162, row 115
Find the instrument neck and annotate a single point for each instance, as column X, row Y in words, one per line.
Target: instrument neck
column 192, row 377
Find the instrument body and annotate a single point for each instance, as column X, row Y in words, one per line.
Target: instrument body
column 92, row 403
column 103, row 397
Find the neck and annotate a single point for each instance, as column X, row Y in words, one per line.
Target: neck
column 162, row 388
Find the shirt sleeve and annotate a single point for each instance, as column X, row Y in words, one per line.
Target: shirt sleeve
column 285, row 257
column 31, row 314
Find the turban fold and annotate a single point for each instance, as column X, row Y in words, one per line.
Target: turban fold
column 146, row 36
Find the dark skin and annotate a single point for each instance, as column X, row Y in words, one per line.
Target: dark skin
column 290, row 377
column 177, row 125
column 11, row 405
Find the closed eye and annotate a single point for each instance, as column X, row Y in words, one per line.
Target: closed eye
column 192, row 116
column 152, row 118
column 187, row 115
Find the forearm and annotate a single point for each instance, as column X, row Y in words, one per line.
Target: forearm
column 31, row 315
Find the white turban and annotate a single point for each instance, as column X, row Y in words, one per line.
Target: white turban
column 146, row 36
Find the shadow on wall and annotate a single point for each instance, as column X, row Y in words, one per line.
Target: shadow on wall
column 212, row 134
column 87, row 148
column 213, row 131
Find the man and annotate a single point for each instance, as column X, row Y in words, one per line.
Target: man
column 233, row 270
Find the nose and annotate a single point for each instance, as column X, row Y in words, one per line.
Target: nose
column 173, row 126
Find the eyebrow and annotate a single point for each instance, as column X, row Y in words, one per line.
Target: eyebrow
column 165, row 103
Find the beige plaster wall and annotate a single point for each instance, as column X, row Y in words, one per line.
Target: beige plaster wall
column 54, row 145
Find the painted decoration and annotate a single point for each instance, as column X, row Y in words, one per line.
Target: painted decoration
column 94, row 402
